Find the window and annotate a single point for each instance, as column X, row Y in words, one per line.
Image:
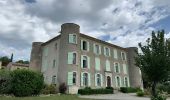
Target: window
column 84, row 45
column 74, row 78
column 107, row 51
column 72, row 38
column 53, row 80
column 72, row 58
column 98, row 79
column 54, row 63
column 126, row 82
column 85, row 79
column 116, row 66
column 123, row 56
column 118, row 81
column 115, row 53
column 84, row 61
column 97, row 49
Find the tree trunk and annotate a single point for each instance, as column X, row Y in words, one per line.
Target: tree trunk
column 154, row 94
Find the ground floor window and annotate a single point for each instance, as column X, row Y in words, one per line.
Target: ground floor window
column 98, row 79
column 85, row 79
column 126, row 82
column 74, row 78
column 118, row 81
column 108, row 81
column 53, row 80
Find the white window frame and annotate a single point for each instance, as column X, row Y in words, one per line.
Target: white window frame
column 72, row 42
column 88, row 62
column 72, row 59
column 76, row 77
column 118, row 67
column 95, row 50
column 88, row 45
column 105, row 53
column 127, row 81
column 117, row 81
column 122, row 55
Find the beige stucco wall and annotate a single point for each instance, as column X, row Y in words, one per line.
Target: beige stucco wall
column 0, row 64
column 17, row 67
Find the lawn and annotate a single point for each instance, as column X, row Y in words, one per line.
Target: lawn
column 54, row 97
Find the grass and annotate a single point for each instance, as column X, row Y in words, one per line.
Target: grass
column 54, row 97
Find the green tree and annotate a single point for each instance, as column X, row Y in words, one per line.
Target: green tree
column 22, row 62
column 154, row 61
column 5, row 60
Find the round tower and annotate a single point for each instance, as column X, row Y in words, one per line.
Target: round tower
column 35, row 61
column 135, row 76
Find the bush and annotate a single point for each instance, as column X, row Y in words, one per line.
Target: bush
column 26, row 82
column 49, row 89
column 5, row 80
column 140, row 93
column 159, row 97
column 62, row 88
column 165, row 87
column 129, row 89
column 89, row 91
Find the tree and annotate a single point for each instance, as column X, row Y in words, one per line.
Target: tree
column 5, row 60
column 154, row 61
column 11, row 57
column 22, row 62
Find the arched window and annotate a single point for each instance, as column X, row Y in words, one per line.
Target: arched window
column 98, row 79
column 85, row 79
column 126, row 82
column 118, row 81
column 74, row 78
column 84, row 61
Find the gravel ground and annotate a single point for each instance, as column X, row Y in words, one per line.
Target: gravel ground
column 117, row 96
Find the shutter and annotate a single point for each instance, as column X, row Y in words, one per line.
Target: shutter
column 70, row 58
column 115, row 53
column 116, row 81
column 119, row 67
column 82, row 79
column 124, row 69
column 97, row 64
column 81, row 61
column 88, row 46
column 81, row 44
column 89, row 80
column 101, row 79
column 70, row 38
column 88, row 59
column 125, row 56
column 95, row 79
column 120, row 81
column 100, row 49
column 109, row 51
column 107, row 65
column 94, row 48
column 70, row 78
column 105, row 51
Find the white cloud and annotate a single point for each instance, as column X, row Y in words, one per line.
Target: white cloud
column 126, row 22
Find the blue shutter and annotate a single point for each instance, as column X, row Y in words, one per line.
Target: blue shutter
column 81, row 45
column 101, row 79
column 70, row 38
column 70, row 58
column 107, row 65
column 97, row 64
column 82, row 79
column 95, row 79
column 81, row 61
column 88, row 59
column 88, row 46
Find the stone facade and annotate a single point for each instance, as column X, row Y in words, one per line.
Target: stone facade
column 13, row 66
column 80, row 60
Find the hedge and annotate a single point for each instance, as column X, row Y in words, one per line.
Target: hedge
column 26, row 82
column 89, row 91
column 129, row 89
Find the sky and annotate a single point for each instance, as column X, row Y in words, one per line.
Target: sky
column 121, row 22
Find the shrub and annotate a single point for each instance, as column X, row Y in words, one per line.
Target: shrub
column 26, row 82
column 62, row 88
column 129, row 89
column 5, row 80
column 165, row 87
column 140, row 93
column 89, row 91
column 159, row 97
column 49, row 89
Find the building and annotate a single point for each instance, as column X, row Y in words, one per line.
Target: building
column 80, row 61
column 13, row 66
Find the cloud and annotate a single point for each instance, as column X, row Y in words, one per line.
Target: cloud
column 124, row 23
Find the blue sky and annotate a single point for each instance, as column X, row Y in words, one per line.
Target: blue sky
column 124, row 23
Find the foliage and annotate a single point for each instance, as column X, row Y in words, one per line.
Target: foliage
column 62, row 88
column 164, row 87
column 26, row 82
column 154, row 60
column 22, row 62
column 129, row 89
column 109, row 88
column 5, row 80
column 159, row 97
column 49, row 89
column 140, row 93
column 5, row 60
column 89, row 91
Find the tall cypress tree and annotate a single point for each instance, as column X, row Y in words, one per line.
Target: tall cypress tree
column 11, row 60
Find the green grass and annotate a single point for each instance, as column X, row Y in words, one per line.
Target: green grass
column 54, row 97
